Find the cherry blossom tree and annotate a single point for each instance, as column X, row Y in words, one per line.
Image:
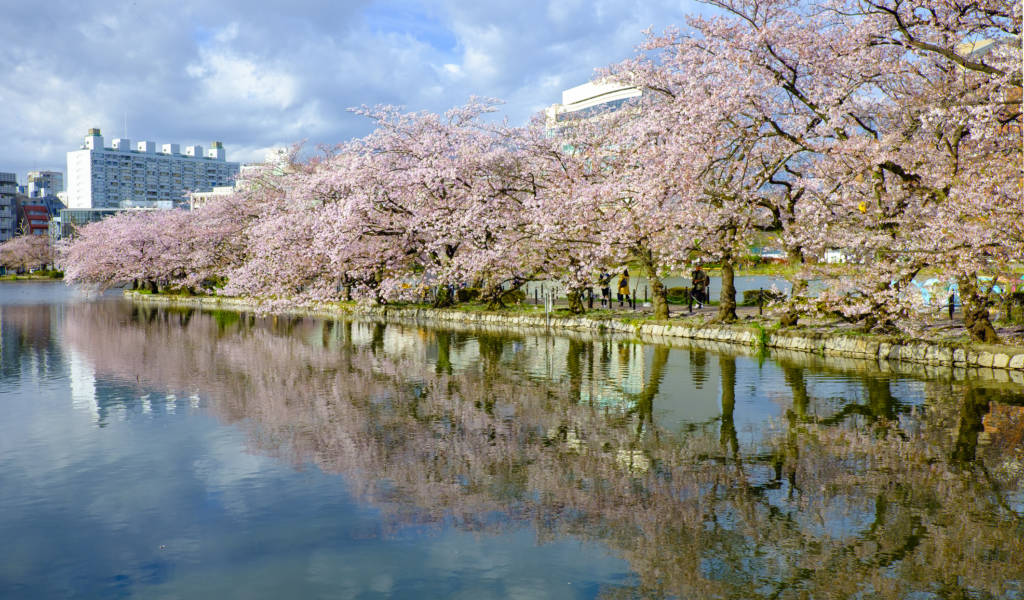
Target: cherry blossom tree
column 623, row 192
column 217, row 238
column 27, row 252
column 275, row 258
column 817, row 111
column 571, row 224
column 131, row 246
column 424, row 199
column 741, row 100
column 931, row 181
column 189, row 250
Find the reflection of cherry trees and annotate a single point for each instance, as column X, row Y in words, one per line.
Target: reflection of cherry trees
column 883, row 500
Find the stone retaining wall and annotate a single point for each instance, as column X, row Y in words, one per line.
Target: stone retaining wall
column 838, row 344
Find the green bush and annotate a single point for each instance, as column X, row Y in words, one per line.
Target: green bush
column 513, row 297
column 215, row 282
column 467, row 294
column 678, row 295
column 1014, row 306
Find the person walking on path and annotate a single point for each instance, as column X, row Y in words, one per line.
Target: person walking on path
column 605, row 280
column 699, row 282
column 623, row 291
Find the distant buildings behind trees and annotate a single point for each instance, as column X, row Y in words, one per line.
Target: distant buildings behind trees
column 123, row 176
column 589, row 100
column 103, row 181
column 8, row 193
column 43, row 184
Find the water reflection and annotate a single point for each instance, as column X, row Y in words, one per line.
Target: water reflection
column 714, row 475
column 26, row 346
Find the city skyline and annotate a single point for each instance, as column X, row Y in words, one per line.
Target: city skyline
column 259, row 77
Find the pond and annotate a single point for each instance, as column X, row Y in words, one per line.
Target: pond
column 159, row 453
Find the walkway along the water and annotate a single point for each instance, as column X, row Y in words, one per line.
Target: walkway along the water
column 1007, row 362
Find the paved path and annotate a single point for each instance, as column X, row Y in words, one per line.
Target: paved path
column 674, row 310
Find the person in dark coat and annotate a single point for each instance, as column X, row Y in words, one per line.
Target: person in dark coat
column 700, row 281
column 605, row 280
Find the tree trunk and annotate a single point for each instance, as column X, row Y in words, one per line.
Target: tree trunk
column 659, row 298
column 153, row 287
column 975, row 306
column 796, row 417
column 659, row 293
column 792, row 315
column 576, row 305
column 492, row 296
column 972, row 411
column 727, row 298
column 445, row 297
column 979, row 325
column 789, row 318
column 727, row 429
column 644, row 406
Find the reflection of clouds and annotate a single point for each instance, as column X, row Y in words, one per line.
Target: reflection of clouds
column 83, row 385
column 119, row 508
column 841, row 517
column 445, row 565
column 225, row 472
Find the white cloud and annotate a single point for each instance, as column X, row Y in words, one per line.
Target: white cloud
column 259, row 73
column 227, row 34
column 563, row 10
column 233, row 80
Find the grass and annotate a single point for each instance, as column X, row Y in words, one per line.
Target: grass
column 34, row 276
column 768, row 269
column 172, row 293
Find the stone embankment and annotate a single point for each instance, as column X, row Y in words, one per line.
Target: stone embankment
column 880, row 348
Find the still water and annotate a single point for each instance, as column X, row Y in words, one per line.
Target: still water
column 151, row 453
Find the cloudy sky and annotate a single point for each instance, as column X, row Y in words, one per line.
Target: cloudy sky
column 257, row 74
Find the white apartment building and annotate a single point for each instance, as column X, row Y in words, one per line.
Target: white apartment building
column 142, row 177
column 198, row 200
column 276, row 163
column 44, row 183
column 588, row 100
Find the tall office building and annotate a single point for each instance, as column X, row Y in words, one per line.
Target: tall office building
column 142, row 177
column 44, row 183
column 8, row 206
